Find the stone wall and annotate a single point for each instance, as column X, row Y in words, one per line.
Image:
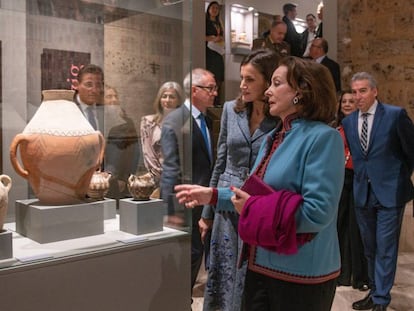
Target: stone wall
column 377, row 36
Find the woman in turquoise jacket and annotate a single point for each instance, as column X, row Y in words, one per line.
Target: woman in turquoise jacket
column 288, row 212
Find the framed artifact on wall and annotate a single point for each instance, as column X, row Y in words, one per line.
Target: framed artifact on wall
column 59, row 68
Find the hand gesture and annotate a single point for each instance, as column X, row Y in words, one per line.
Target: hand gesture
column 193, row 195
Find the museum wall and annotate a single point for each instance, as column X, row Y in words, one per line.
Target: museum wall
column 14, row 86
column 141, row 53
column 377, row 36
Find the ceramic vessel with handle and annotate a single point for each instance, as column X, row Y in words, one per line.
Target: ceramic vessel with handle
column 99, row 185
column 59, row 150
column 141, row 187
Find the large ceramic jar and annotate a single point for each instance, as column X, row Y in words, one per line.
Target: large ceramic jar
column 5, row 185
column 59, row 150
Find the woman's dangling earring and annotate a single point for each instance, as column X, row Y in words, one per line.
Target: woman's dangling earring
column 295, row 100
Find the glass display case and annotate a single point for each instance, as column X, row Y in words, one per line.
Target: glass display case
column 243, row 20
column 81, row 192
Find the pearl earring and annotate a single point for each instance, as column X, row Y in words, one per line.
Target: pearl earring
column 295, row 100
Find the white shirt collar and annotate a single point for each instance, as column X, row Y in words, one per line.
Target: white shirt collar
column 320, row 59
column 83, row 105
column 194, row 111
column 371, row 109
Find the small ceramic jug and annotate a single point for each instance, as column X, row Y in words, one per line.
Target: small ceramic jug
column 5, row 185
column 99, row 185
column 141, row 187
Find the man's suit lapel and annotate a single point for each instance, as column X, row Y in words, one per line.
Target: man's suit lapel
column 354, row 129
column 379, row 114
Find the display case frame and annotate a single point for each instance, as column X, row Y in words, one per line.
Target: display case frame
column 139, row 45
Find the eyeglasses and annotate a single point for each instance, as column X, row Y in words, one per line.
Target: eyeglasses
column 210, row 89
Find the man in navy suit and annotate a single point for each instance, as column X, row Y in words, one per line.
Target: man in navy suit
column 381, row 140
column 317, row 51
column 188, row 152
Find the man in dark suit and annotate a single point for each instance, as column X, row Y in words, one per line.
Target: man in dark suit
column 292, row 36
column 308, row 35
column 187, row 152
column 319, row 12
column 88, row 96
column 318, row 50
column 381, row 140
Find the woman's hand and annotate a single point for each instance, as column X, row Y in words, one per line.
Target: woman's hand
column 214, row 38
column 205, row 226
column 193, row 195
column 239, row 198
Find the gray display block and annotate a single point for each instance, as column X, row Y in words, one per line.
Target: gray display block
column 109, row 208
column 140, row 217
column 45, row 223
column 6, row 244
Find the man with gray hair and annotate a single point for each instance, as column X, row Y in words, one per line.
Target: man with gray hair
column 186, row 145
column 381, row 141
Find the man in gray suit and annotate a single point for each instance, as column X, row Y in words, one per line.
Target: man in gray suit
column 381, row 140
column 187, row 151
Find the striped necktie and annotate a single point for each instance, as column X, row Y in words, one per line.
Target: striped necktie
column 364, row 132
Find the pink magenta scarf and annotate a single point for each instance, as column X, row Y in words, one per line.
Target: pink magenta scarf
column 268, row 221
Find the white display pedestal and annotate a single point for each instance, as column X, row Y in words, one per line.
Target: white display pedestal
column 45, row 223
column 140, row 217
column 109, row 208
column 153, row 274
column 6, row 248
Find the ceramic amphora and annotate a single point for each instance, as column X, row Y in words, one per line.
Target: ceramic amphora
column 59, row 150
column 141, row 187
column 5, row 185
column 99, row 185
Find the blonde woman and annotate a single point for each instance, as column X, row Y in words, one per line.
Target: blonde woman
column 169, row 97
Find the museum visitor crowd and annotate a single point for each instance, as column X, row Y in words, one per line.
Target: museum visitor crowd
column 303, row 190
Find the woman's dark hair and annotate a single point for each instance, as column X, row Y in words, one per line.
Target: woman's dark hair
column 264, row 61
column 208, row 14
column 314, row 84
column 339, row 114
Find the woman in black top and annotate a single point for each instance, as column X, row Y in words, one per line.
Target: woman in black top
column 214, row 36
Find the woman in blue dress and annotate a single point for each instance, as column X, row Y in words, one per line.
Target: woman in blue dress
column 244, row 123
